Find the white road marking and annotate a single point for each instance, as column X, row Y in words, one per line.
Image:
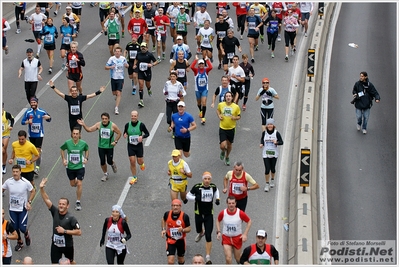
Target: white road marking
column 154, row 129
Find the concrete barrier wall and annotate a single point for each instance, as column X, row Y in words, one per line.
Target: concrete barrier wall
column 303, row 218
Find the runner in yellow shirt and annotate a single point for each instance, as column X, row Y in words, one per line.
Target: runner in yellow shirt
column 25, row 154
column 228, row 113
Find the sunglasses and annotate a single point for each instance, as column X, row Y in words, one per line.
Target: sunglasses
column 265, row 82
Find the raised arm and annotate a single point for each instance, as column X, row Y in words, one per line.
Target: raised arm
column 45, row 197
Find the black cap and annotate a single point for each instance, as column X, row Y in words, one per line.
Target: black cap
column 29, row 50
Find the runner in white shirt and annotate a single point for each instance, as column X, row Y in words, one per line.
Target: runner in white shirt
column 37, row 20
column 199, row 19
column 205, row 36
column 21, row 194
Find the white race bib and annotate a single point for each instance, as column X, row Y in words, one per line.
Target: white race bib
column 105, row 133
column 67, row 39
column 35, row 127
column 133, row 139
column 74, row 158
column 181, row 73
column 37, row 26
column 75, row 109
column 49, row 38
column 235, row 188
column 21, row 162
column 73, row 64
column 143, row 66
column 16, row 203
column 206, row 195
column 174, row 233
column 132, row 54
column 59, row 240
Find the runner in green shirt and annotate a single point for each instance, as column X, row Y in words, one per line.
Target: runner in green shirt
column 106, row 141
column 77, row 157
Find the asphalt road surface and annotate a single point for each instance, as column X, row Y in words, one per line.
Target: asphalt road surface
column 145, row 202
column 361, row 169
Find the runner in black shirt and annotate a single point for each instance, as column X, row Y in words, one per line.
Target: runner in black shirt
column 132, row 49
column 75, row 103
column 228, row 48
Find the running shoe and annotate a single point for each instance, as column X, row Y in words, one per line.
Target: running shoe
column 241, row 37
column 208, row 260
column 133, row 180
column 268, row 47
column 262, row 39
column 199, row 236
column 134, row 91
column 78, row 206
column 252, row 60
column 271, row 183
column 185, row 201
column 219, row 66
column 149, row 93
column 27, row 238
column 227, row 161
column 18, row 31
column 19, row 246
column 267, row 187
column 55, row 13
column 244, row 107
column 6, row 51
column 200, row 114
column 222, row 155
column 116, row 111
column 272, row 55
column 286, row 58
column 142, row 167
column 364, row 131
column 159, row 60
column 50, row 70
column 123, row 34
column 36, row 170
column 37, row 56
column 279, row 38
column 163, row 56
column 114, row 168
column 153, row 49
column 357, row 126
column 256, row 48
column 292, row 52
column 141, row 103
column 306, row 34
column 4, row 169
column 104, row 178
column 203, row 120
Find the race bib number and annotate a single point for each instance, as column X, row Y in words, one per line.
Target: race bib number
column 35, row 127
column 114, row 238
column 251, row 25
column 288, row 27
column 136, row 29
column 132, row 54
column 143, row 66
column 49, row 38
column 38, row 26
column 75, row 109
column 112, row 36
column 181, row 73
column 174, row 233
column 149, row 22
column 228, row 111
column 59, row 240
column 66, row 40
column 161, row 29
column 243, row 5
column 222, row 34
column 133, row 139
column 205, row 42
column 74, row 158
column 180, row 27
column 270, row 152
column 16, row 203
column 201, row 82
column 119, row 68
column 236, row 188
column 206, row 195
column 21, row 162
column 73, row 64
column 105, row 133
column 360, row 94
column 230, row 55
column 231, row 228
